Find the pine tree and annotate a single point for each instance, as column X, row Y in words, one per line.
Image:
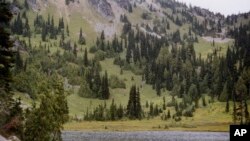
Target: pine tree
column 130, row 8
column 18, row 62
column 85, row 58
column 164, row 103
column 227, row 106
column 138, row 104
column 204, row 103
column 193, row 93
column 246, row 112
column 168, row 115
column 75, row 50
column 146, row 105
column 102, row 44
column 105, row 87
column 113, row 112
column 26, row 5
column 134, row 110
column 6, row 63
column 44, row 32
column 81, row 39
column 67, row 30
column 241, row 91
column 131, row 103
column 120, row 112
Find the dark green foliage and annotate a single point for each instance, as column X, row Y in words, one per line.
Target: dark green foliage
column 18, row 62
column 61, row 24
column 85, row 58
column 26, row 5
column 130, row 8
column 146, row 16
column 75, row 50
column 227, row 107
column 67, row 30
column 101, row 113
column 246, row 112
column 164, row 103
column 6, row 63
column 85, row 91
column 115, row 82
column 81, row 39
column 193, row 93
column 17, row 26
column 113, row 110
column 204, row 103
column 105, row 87
column 120, row 112
column 168, row 115
column 134, row 110
column 146, row 105
column 45, row 122
column 176, row 36
column 188, row 112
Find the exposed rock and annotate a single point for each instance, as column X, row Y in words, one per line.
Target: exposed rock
column 14, row 9
column 123, row 3
column 33, row 4
column 103, row 7
column 2, row 138
column 13, row 138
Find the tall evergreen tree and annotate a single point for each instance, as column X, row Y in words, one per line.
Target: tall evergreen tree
column 134, row 110
column 81, row 39
column 18, row 62
column 227, row 106
column 113, row 110
column 75, row 50
column 85, row 58
column 6, row 63
column 105, row 87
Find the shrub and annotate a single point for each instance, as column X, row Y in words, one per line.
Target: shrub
column 100, row 55
column 115, row 82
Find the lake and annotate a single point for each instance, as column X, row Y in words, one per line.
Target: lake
column 145, row 136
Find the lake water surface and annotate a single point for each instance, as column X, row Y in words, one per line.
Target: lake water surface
column 145, row 136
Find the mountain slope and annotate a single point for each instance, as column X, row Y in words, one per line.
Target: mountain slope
column 165, row 48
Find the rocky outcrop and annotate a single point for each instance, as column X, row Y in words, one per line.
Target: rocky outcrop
column 14, row 10
column 103, row 7
column 33, row 4
column 123, row 3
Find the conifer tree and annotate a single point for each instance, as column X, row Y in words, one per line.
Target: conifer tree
column 168, row 115
column 75, row 50
column 85, row 58
column 26, row 5
column 227, row 106
column 18, row 62
column 134, row 110
column 113, row 112
column 246, row 112
column 105, row 87
column 6, row 63
column 164, row 103
column 120, row 112
column 81, row 39
column 67, row 30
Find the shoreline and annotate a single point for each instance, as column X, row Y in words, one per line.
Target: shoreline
column 142, row 126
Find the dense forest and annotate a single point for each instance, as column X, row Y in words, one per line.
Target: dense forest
column 39, row 58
